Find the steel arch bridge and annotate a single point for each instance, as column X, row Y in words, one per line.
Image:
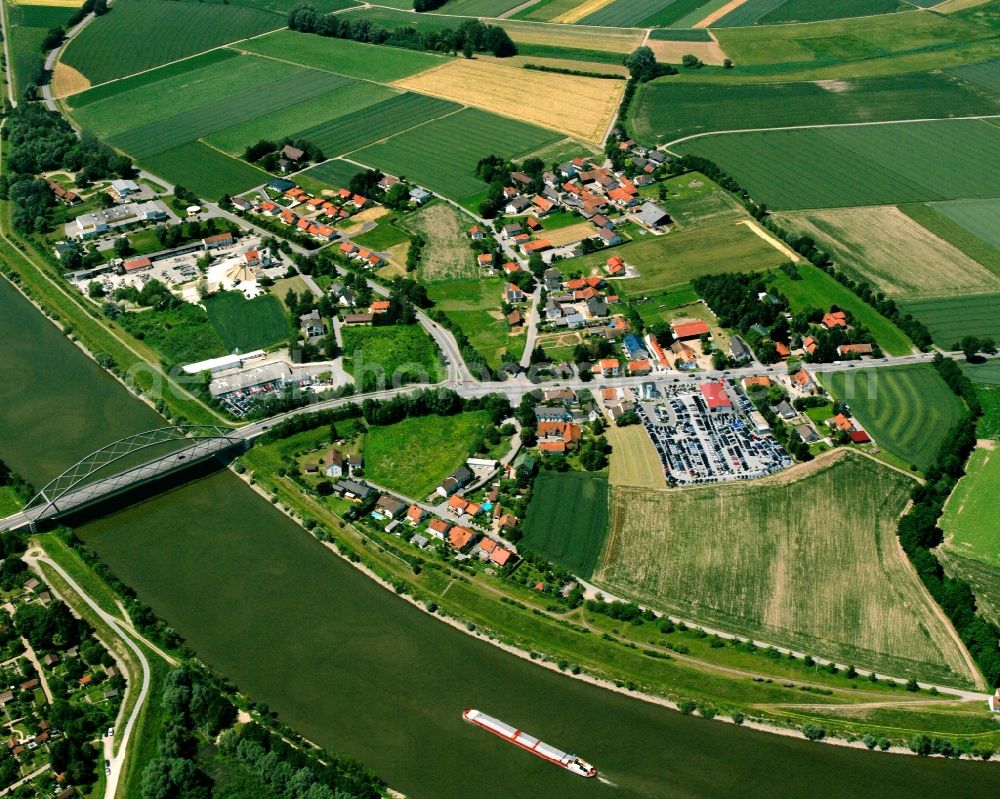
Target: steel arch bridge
column 75, row 483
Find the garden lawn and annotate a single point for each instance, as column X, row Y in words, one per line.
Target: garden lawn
column 952, row 318
column 667, row 110
column 206, row 172
column 442, row 155
column 567, row 519
column 390, row 355
column 860, row 165
column 817, row 289
column 398, row 457
column 383, row 236
column 143, row 34
column 907, row 410
column 670, row 261
column 247, row 324
column 969, row 519
column 344, row 56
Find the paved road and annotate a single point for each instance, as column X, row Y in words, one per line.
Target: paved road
column 117, row 760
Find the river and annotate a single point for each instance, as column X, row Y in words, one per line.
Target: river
column 358, row 670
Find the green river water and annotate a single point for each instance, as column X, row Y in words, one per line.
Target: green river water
column 358, row 670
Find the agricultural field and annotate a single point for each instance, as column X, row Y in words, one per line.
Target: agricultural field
column 951, row 318
column 987, row 374
column 693, row 199
column 292, row 120
column 861, row 165
column 547, row 10
column 983, row 578
column 890, row 250
column 555, row 103
column 567, row 519
column 979, row 217
column 682, row 255
column 206, row 172
column 247, row 324
column 27, row 27
column 817, row 289
column 447, row 254
column 665, row 111
column 442, row 155
column 390, row 355
column 626, row 13
column 379, row 121
column 767, row 12
column 808, row 559
column 672, row 51
column 333, row 174
column 474, row 305
column 634, row 460
column 955, row 234
column 475, row 8
column 985, row 73
column 574, row 37
column 181, row 335
column 705, row 15
column 969, row 519
column 107, row 49
column 391, row 451
column 908, row 410
column 343, row 56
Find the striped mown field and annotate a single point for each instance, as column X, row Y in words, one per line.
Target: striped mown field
column 951, row 318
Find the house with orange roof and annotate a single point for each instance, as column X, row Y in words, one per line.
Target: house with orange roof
column 621, row 198
column 438, row 528
column 485, row 260
column 457, row 504
column 325, row 232
column 854, row 349
column 269, row 208
column 512, row 294
column 500, row 556
column 510, row 267
column 689, row 329
column 347, row 248
column 539, row 245
column 363, row 254
column 288, row 217
column 659, row 354
column 586, row 294
column 507, row 520
column 358, row 201
column 575, row 284
column 380, row 306
column 782, row 350
column 756, row 381
column 485, row 547
column 303, row 224
column 316, row 203
column 295, row 191
column 343, row 194
column 639, row 367
column 542, row 205
column 473, row 509
column 533, row 224
column 841, row 422
column 809, row 344
column 415, row 514
column 684, row 356
column 553, row 445
column 476, row 233
column 460, row 537
column 804, row 381
column 374, row 261
column 834, row 319
column 609, row 367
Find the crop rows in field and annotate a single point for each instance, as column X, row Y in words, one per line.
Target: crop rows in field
column 247, row 324
column 813, row 565
column 955, row 234
column 969, row 519
column 985, row 73
column 567, row 519
column 861, row 165
column 207, row 172
column 984, row 579
column 748, row 13
column 143, row 34
column 951, row 318
column 376, row 122
column 442, row 154
column 979, row 217
column 478, row 8
column 193, row 123
column 625, row 13
column 908, row 410
column 811, row 11
column 668, row 111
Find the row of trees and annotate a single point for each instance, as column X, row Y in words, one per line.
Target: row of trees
column 471, row 36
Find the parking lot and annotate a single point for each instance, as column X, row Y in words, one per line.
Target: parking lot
column 697, row 446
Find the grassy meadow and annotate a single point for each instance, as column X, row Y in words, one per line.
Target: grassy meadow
column 908, row 410
column 693, row 199
column 473, row 304
column 807, row 560
column 332, row 174
column 979, row 217
column 951, row 318
column 447, row 254
column 392, row 354
column 567, row 519
column 861, row 165
column 247, row 324
column 951, row 231
column 969, row 519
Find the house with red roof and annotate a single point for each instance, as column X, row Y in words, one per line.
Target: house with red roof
column 782, row 350
column 689, row 329
column 512, row 294
column 834, row 319
column 457, row 505
column 715, row 397
column 639, row 367
column 438, row 528
column 460, row 537
column 609, row 367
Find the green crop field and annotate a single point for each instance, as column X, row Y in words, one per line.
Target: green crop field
column 693, row 199
column 567, row 519
column 475, row 8
column 985, row 73
column 333, row 174
column 667, row 110
column 680, row 34
column 442, row 155
column 142, row 34
column 988, row 425
column 750, row 12
column 969, row 519
column 861, row 165
column 391, row 451
column 682, row 255
column 807, row 560
column 979, row 217
column 292, row 120
column 390, row 355
column 986, row 373
column 951, row 318
column 626, row 13
column 817, row 289
column 811, row 11
column 955, row 234
column 379, row 121
column 247, row 324
column 28, row 26
column 207, row 172
column 984, row 579
column 344, row 56
column 908, row 410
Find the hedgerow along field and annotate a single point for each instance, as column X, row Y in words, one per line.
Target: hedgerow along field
column 247, row 324
column 666, row 111
column 892, row 251
column 908, row 410
column 442, row 155
column 679, row 257
column 567, row 519
column 860, row 165
column 951, row 318
column 343, row 56
column 142, row 34
column 807, row 560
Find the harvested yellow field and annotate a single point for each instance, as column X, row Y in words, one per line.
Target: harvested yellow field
column 672, row 52
column 559, row 63
column 577, row 37
column 719, row 13
column 634, row 461
column 67, row 81
column 807, row 559
column 893, row 251
column 60, row 3
column 951, row 6
column 578, row 107
column 582, row 10
column 569, row 234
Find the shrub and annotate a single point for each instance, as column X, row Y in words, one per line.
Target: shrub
column 813, row 732
column 686, row 706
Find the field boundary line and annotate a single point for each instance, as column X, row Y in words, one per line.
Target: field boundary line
column 321, row 69
column 980, row 117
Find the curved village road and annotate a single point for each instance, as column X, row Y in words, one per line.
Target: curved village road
column 116, row 760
